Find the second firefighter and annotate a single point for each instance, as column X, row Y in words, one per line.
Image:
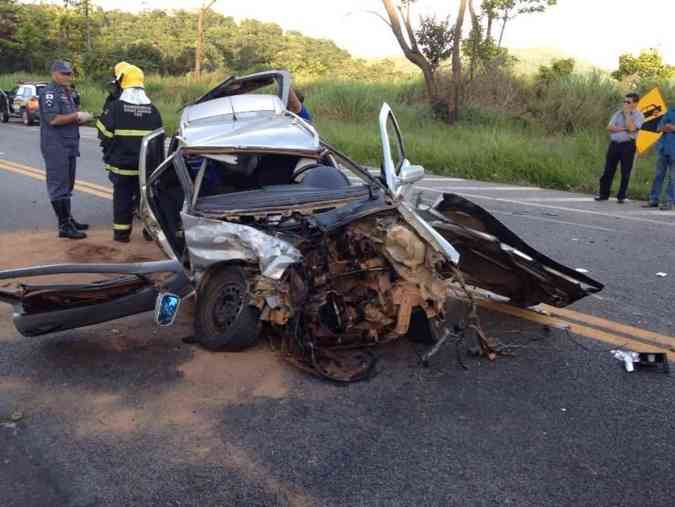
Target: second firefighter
column 121, row 128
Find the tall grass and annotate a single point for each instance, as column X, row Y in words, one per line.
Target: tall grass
column 510, row 130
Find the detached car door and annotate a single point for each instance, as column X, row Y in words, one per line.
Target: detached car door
column 123, row 290
column 119, row 290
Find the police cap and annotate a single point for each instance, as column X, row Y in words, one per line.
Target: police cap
column 62, row 67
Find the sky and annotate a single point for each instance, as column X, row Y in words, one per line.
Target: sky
column 595, row 30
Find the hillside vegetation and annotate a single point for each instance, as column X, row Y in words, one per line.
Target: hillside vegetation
column 555, row 139
column 527, row 117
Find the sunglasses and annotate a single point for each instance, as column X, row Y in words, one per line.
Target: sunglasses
column 66, row 73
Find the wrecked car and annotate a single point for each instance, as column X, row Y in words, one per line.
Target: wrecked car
column 279, row 234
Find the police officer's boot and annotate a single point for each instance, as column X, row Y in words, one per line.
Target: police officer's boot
column 66, row 228
column 79, row 226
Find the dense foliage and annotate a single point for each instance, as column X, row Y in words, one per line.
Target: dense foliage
column 546, row 128
column 163, row 42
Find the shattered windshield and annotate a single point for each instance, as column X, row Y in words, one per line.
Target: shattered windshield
column 270, row 83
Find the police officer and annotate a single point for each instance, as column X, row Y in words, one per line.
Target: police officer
column 60, row 143
column 121, row 128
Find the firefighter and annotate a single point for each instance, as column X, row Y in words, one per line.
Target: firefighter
column 121, row 129
column 114, row 94
column 60, row 145
column 115, row 84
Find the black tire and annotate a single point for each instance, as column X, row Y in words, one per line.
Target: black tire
column 27, row 118
column 5, row 117
column 420, row 328
column 223, row 319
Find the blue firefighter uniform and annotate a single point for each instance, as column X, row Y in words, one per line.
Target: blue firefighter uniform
column 60, row 146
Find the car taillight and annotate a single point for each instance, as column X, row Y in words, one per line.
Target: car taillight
column 32, row 104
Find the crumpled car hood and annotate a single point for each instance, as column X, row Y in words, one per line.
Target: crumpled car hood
column 495, row 259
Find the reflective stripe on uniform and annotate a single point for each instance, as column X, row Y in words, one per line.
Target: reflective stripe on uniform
column 132, row 133
column 122, row 227
column 103, row 130
column 122, row 172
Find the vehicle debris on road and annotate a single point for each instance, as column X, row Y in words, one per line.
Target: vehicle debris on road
column 632, row 359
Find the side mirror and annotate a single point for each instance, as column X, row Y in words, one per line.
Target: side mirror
column 410, row 173
column 166, row 308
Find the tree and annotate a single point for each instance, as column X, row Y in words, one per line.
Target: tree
column 435, row 40
column 398, row 14
column 506, row 10
column 453, row 104
column 34, row 38
column 648, row 65
column 206, row 6
column 9, row 21
column 427, row 46
column 560, row 68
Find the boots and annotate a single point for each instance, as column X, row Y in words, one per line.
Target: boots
column 76, row 224
column 122, row 236
column 66, row 227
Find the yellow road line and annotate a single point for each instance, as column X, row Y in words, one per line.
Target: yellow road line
column 94, row 186
column 611, row 326
column 36, row 175
column 575, row 328
column 552, row 320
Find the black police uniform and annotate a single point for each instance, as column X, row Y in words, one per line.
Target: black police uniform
column 60, row 146
column 121, row 128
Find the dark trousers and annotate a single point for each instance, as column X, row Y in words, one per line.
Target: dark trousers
column 623, row 153
column 125, row 196
column 60, row 174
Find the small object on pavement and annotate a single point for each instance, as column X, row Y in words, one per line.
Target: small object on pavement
column 16, row 416
column 631, row 360
column 661, row 274
column 581, row 270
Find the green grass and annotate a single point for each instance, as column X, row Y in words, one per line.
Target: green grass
column 518, row 156
column 486, row 144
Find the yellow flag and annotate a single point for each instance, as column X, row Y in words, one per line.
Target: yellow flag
column 653, row 107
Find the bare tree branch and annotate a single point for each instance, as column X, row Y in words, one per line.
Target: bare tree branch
column 410, row 50
column 375, row 13
column 408, row 28
column 199, row 49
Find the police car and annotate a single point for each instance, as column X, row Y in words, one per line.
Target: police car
column 22, row 102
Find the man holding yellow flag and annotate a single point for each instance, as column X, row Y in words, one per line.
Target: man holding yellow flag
column 623, row 131
column 665, row 163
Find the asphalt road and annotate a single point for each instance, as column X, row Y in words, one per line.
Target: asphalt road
column 127, row 414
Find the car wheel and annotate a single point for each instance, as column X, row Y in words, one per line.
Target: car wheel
column 5, row 117
column 420, row 328
column 224, row 320
column 27, row 118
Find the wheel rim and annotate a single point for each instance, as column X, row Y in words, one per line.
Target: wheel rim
column 228, row 306
column 25, row 118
